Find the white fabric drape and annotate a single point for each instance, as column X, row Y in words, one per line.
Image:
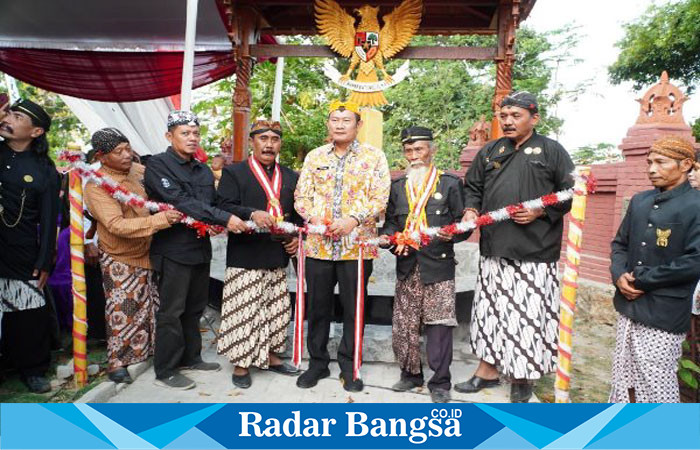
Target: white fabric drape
column 144, row 123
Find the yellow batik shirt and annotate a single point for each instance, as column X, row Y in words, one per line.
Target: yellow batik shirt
column 332, row 187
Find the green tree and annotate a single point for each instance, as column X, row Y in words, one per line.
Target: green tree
column 666, row 37
column 305, row 95
column 602, row 152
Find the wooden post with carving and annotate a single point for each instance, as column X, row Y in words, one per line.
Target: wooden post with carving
column 241, row 107
column 243, row 25
column 508, row 20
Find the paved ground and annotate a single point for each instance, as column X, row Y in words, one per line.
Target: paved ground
column 270, row 387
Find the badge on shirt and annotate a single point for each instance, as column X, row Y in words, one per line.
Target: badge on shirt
column 437, row 196
column 528, row 151
column 165, row 182
column 501, row 150
column 496, row 165
column 536, row 151
column 28, row 178
column 662, row 237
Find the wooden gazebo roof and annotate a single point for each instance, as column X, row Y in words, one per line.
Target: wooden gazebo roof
column 284, row 17
column 244, row 19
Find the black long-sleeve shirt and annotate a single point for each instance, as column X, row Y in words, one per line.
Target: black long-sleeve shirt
column 240, row 193
column 28, row 191
column 189, row 187
column 500, row 176
column 436, row 260
column 659, row 242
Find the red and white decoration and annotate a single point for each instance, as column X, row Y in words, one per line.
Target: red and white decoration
column 272, row 191
column 129, row 198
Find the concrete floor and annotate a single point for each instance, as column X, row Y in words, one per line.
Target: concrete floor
column 269, row 387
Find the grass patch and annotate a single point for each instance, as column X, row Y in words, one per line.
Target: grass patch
column 13, row 390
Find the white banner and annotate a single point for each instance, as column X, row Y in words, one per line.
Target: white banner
column 331, row 72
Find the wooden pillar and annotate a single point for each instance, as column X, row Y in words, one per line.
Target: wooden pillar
column 241, row 108
column 508, row 20
column 245, row 21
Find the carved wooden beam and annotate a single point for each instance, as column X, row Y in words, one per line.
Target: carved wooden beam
column 508, row 21
column 422, row 52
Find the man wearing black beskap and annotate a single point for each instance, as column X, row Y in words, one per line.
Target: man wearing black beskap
column 28, row 210
column 655, row 264
column 256, row 308
column 180, row 257
column 516, row 299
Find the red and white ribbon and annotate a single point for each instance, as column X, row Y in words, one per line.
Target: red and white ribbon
column 298, row 341
column 272, row 191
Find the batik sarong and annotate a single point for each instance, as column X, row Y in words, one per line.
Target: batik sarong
column 132, row 301
column 415, row 305
column 515, row 316
column 255, row 314
column 646, row 360
column 19, row 295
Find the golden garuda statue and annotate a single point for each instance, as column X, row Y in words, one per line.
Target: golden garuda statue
column 368, row 45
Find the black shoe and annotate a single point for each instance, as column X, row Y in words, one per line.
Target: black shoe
column 37, row 384
column 520, row 392
column 405, row 384
column 176, row 381
column 475, row 384
column 349, row 384
column 120, row 375
column 284, row 369
column 201, row 366
column 310, row 378
column 439, row 395
column 242, row 381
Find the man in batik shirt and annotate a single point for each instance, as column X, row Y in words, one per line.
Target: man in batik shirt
column 425, row 289
column 344, row 185
column 655, row 264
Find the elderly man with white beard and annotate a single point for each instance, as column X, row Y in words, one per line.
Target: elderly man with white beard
column 425, row 289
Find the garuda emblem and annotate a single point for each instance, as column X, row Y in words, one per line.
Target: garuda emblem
column 367, row 45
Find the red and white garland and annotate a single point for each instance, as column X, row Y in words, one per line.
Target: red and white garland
column 423, row 237
column 129, row 198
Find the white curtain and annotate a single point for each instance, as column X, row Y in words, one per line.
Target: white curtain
column 144, row 123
